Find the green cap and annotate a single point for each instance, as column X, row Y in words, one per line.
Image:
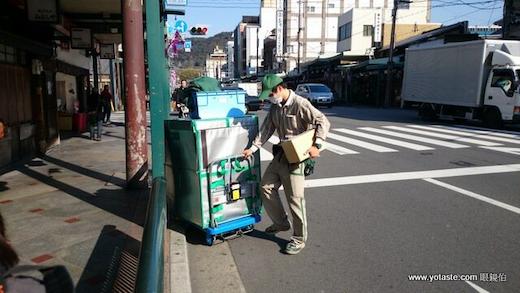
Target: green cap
column 269, row 82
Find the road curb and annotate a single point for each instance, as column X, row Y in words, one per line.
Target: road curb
column 180, row 281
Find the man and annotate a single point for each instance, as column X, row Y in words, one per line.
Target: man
column 289, row 115
column 96, row 115
column 107, row 103
column 178, row 94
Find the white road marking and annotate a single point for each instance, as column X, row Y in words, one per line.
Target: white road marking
column 328, row 146
column 445, row 136
column 450, row 145
column 489, row 136
column 403, row 144
column 514, row 151
column 475, row 195
column 338, row 149
column 360, row 143
column 482, row 132
column 414, row 175
column 474, row 286
column 504, row 133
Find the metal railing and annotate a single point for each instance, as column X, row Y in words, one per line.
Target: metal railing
column 150, row 273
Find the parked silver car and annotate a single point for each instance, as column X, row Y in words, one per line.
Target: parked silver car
column 316, row 93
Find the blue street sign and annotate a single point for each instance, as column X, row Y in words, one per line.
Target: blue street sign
column 187, row 46
column 181, row 26
column 171, row 29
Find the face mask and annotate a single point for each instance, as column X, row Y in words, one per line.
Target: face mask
column 275, row 100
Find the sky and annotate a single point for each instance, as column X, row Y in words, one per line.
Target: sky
column 224, row 15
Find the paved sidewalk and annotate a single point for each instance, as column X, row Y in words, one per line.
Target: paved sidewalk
column 70, row 207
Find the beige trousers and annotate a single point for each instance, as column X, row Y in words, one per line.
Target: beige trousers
column 278, row 173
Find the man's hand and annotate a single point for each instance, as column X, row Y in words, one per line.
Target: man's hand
column 314, row 152
column 247, row 153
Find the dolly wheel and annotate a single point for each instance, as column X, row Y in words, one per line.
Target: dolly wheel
column 210, row 239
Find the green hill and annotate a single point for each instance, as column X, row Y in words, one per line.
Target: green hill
column 200, row 48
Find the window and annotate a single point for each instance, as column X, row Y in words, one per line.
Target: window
column 319, row 89
column 345, row 31
column 504, row 79
column 311, row 9
column 331, row 5
column 7, row 54
column 403, row 5
column 368, row 30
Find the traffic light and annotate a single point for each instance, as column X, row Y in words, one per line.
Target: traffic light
column 201, row 30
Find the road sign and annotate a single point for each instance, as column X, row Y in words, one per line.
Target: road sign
column 181, row 26
column 187, row 46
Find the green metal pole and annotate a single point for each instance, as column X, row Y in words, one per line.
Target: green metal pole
column 150, row 273
column 156, row 71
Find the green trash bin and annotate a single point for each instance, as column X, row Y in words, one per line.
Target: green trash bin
column 210, row 184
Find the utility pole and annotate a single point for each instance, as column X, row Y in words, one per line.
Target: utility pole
column 299, row 31
column 257, row 45
column 390, row 67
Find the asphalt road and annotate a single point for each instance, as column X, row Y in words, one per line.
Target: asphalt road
column 391, row 210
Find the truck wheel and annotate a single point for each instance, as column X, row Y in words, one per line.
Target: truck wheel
column 427, row 113
column 492, row 118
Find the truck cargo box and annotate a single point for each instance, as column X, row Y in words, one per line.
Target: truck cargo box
column 451, row 74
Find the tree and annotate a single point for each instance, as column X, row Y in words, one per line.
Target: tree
column 189, row 73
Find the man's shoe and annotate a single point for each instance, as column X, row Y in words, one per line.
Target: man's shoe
column 294, row 247
column 273, row 229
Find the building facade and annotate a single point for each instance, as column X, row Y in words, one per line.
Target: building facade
column 311, row 27
column 361, row 30
column 485, row 30
column 245, row 38
column 230, row 60
column 249, row 36
column 216, row 64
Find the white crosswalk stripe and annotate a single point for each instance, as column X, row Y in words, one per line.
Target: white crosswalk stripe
column 338, row 149
column 360, row 143
column 328, row 147
column 503, row 133
column 437, row 135
column 403, row 144
column 416, row 138
column 445, row 136
column 461, row 132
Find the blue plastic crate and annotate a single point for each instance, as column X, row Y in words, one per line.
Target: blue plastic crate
column 207, row 105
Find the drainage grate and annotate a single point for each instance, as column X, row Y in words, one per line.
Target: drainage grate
column 122, row 273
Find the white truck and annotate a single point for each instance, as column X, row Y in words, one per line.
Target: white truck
column 251, row 88
column 476, row 80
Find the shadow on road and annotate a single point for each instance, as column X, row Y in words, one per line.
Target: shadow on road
column 127, row 204
column 271, row 237
column 112, row 266
column 84, row 171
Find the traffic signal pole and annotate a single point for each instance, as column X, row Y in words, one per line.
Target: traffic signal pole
column 157, row 84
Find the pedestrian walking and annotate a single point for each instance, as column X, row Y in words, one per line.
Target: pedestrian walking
column 289, row 116
column 107, row 99
column 95, row 115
